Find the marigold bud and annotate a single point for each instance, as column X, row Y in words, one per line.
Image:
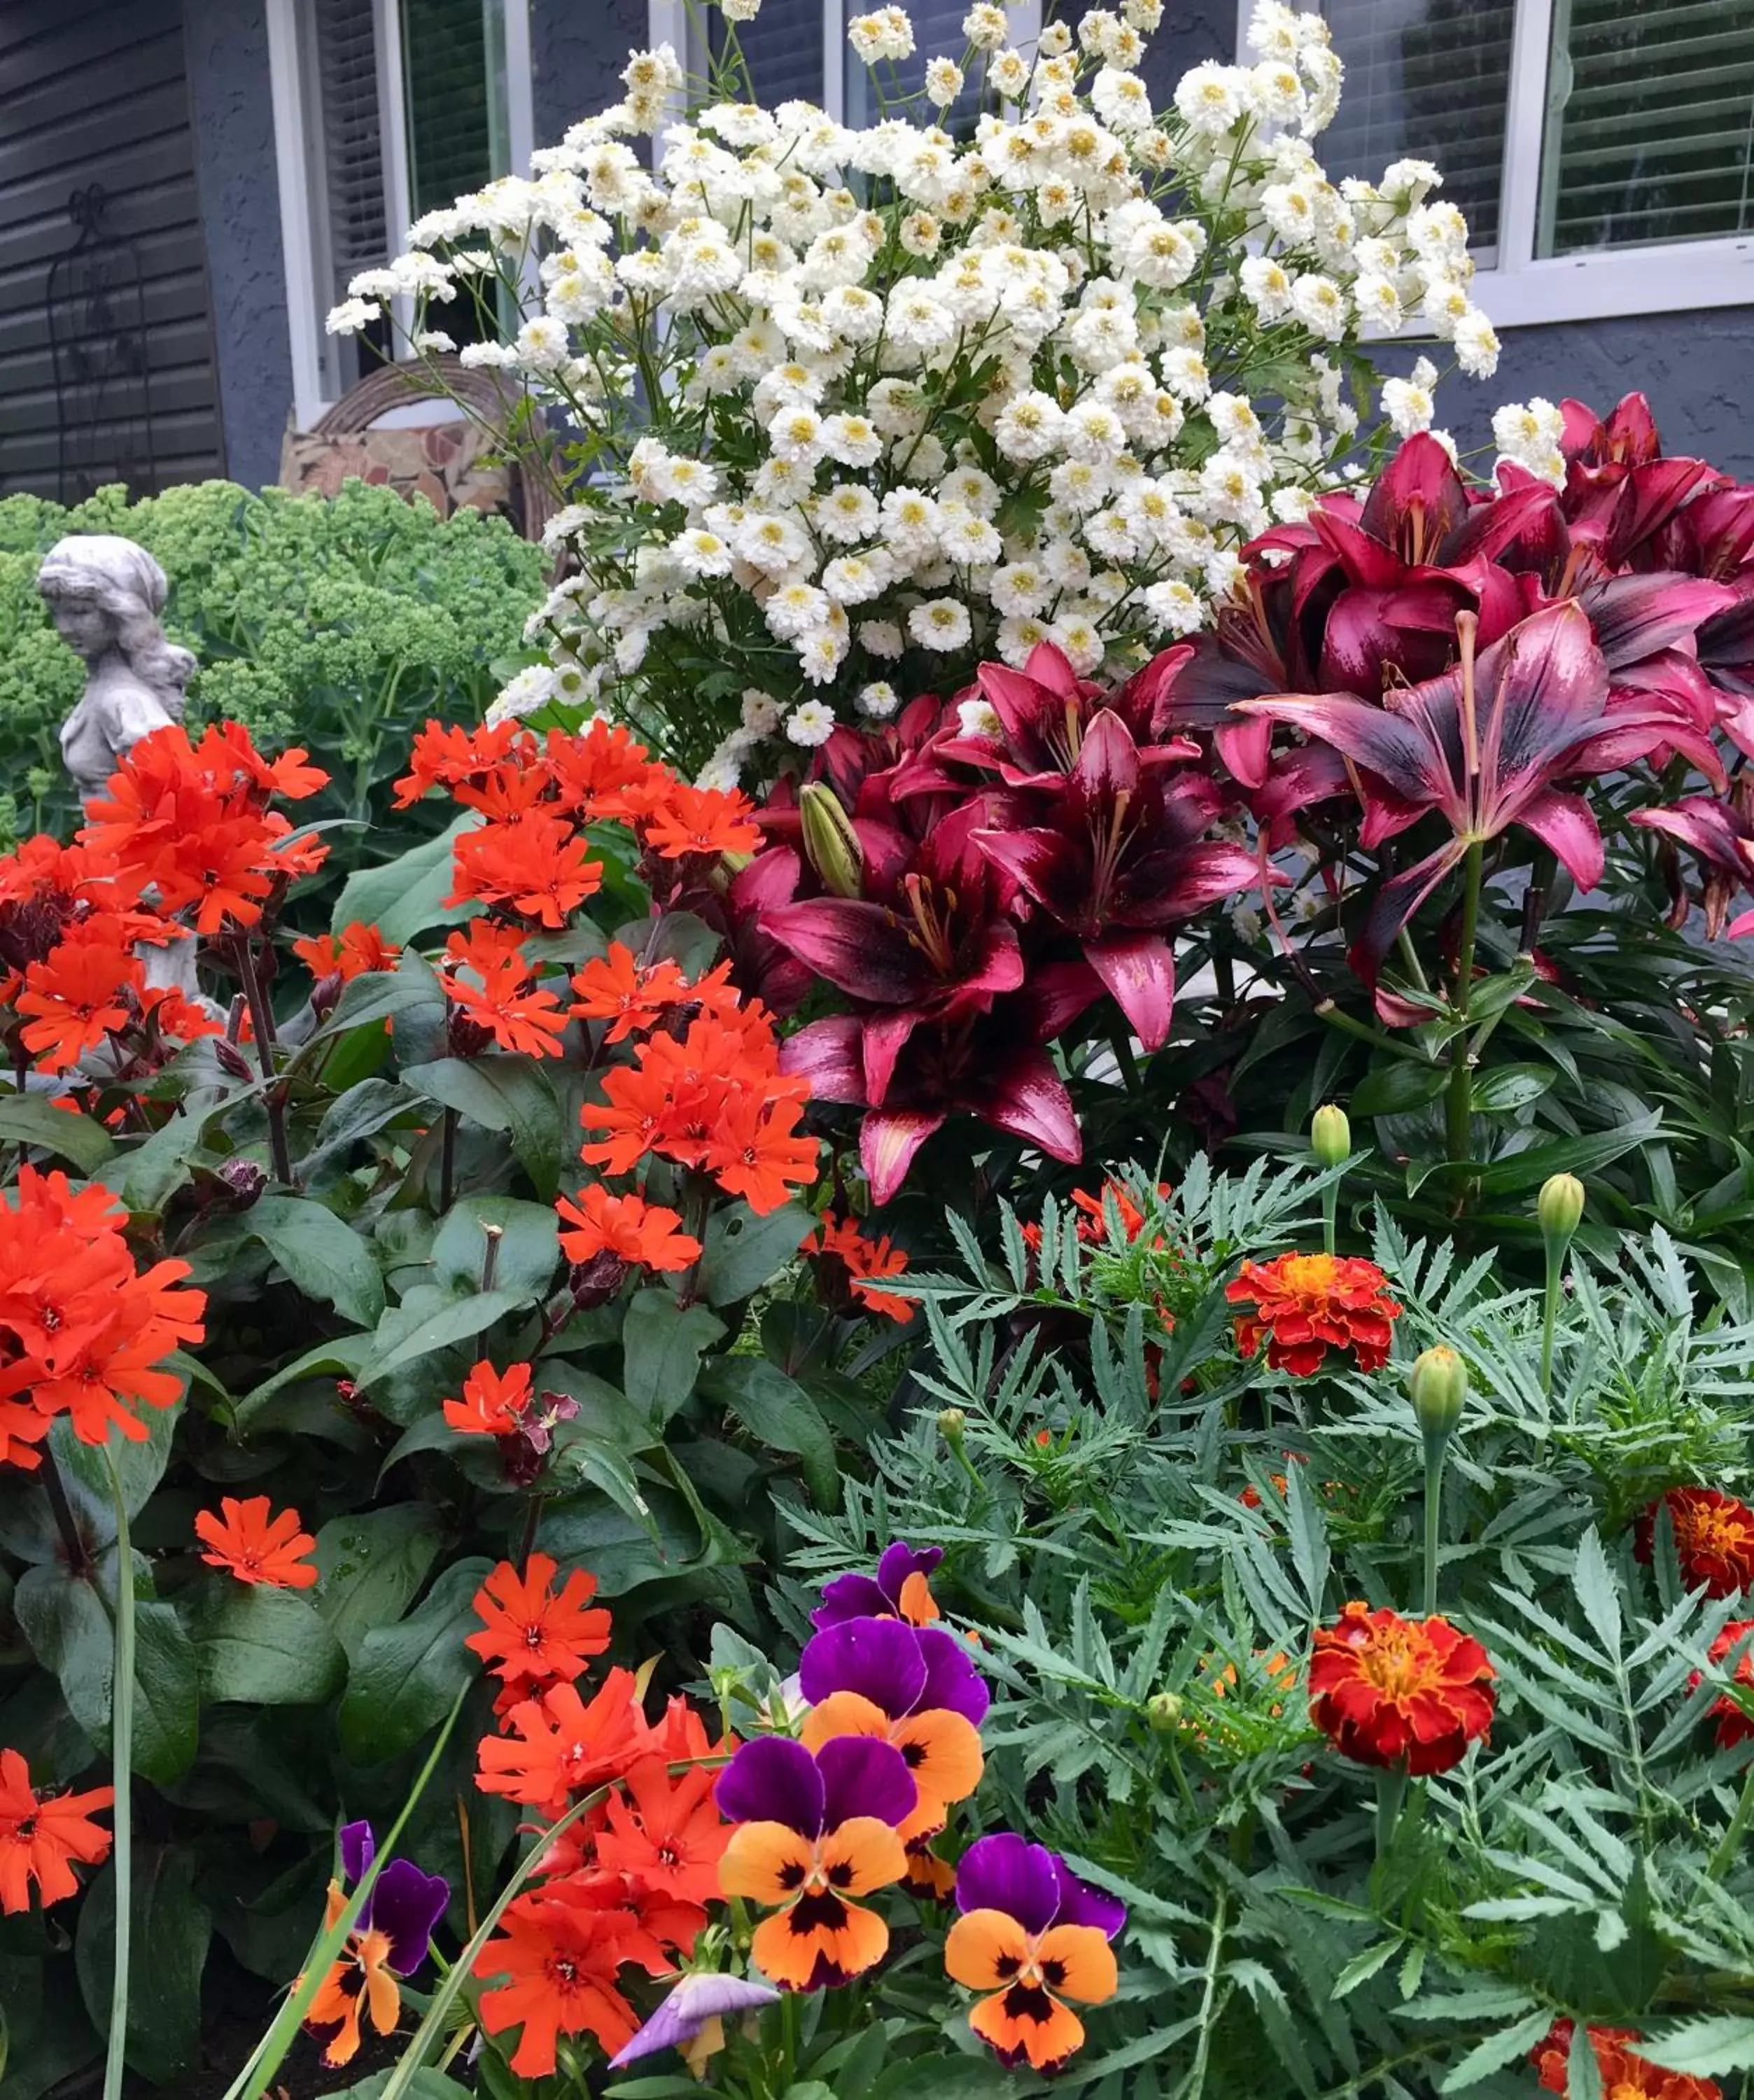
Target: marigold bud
column 1560, row 1207
column 1330, row 1136
column 831, row 844
column 951, row 1423
column 1163, row 1710
column 1439, row 1388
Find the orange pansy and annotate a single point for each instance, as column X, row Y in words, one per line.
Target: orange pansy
column 1028, row 1975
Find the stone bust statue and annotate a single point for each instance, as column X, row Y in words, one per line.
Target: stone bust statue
column 105, row 594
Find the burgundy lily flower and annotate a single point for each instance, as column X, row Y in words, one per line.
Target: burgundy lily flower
column 1115, row 857
column 1721, row 836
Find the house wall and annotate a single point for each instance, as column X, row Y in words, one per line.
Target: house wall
column 577, row 50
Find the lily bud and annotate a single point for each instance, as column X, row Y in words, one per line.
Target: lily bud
column 1330, row 1136
column 831, row 844
column 1439, row 1388
column 1559, row 1207
column 1163, row 1710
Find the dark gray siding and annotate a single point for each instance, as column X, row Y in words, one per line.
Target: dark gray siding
column 96, row 91
column 577, row 50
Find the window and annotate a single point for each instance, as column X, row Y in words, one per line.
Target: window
column 384, row 109
column 1603, row 151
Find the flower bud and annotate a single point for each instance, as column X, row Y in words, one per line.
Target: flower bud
column 951, row 1424
column 1330, row 1136
column 831, row 844
column 1163, row 1710
column 1560, row 1207
column 1438, row 1388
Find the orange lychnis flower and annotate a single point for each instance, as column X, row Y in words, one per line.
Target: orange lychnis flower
column 631, row 996
column 532, row 1635
column 244, row 1541
column 665, row 1832
column 558, row 1746
column 41, row 1835
column 562, row 1949
column 536, row 865
column 494, row 1403
column 1390, row 1691
column 519, row 1014
column 703, row 820
column 638, row 1233
column 1714, row 1539
column 444, row 755
column 1306, row 1305
column 756, row 1151
column 76, row 997
column 351, row 953
column 601, row 773
column 1625, row 2073
column 865, row 1262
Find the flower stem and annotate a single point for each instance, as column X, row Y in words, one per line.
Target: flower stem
column 121, row 1744
column 262, row 1027
column 1391, row 1791
column 1459, row 1107
column 1435, row 1447
column 1330, row 1215
column 1549, row 1313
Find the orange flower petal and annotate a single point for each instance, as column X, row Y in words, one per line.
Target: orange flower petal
column 1026, row 2022
column 765, row 1862
column 985, row 1949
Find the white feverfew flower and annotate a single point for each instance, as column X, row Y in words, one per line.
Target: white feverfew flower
column 1093, row 432
column 972, row 489
column 1275, row 30
column 966, row 540
column 941, row 624
column 794, row 610
column 852, row 315
column 847, row 515
column 888, row 33
column 918, row 319
column 1289, row 211
column 944, row 82
column 1320, row 304
column 1267, row 286
column 1175, row 607
column 771, row 543
column 1292, row 504
column 779, row 484
column 1019, row 588
column 1080, row 640
column 810, row 724
column 1476, row 342
column 1212, row 98
column 1408, row 406
column 1437, row 233
column 986, row 27
column 1377, row 302
column 351, row 316
column 1184, row 373
column 1121, row 99
column 795, row 435
column 910, row 525
column 1008, row 76
column 532, row 688
column 852, row 439
column 881, row 638
column 978, row 717
column 878, row 699
column 699, row 553
column 761, row 712
column 1028, row 427
column 1016, row 639
column 856, row 579
column 1277, row 91
column 1527, row 431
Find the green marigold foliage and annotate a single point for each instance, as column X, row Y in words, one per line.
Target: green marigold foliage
column 341, row 624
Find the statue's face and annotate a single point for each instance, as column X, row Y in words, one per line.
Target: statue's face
column 84, row 625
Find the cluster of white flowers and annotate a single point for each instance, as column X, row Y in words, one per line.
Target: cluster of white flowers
column 863, row 407
column 1528, row 433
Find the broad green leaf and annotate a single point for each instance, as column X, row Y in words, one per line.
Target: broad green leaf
column 1508, row 1086
column 426, row 1321
column 503, row 1093
column 372, row 1564
column 69, row 1630
column 263, row 1647
column 1397, row 1087
column 744, row 1251
column 360, row 1112
column 33, row 1119
column 172, row 1927
column 405, row 1676
column 664, row 1343
column 340, row 1358
column 84, row 1468
column 406, row 896
column 166, row 1694
column 322, row 1253
column 144, row 1175
column 380, row 995
column 776, row 1411
column 524, row 1261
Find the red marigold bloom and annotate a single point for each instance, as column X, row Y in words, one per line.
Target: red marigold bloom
column 42, row 1834
column 1625, row 2074
column 1714, row 1539
column 77, row 996
column 864, row 1263
column 703, row 820
column 1390, row 1691
column 639, row 1233
column 1306, row 1305
column 532, row 1635
column 494, row 1403
column 563, row 1950
column 559, row 1747
column 630, row 996
column 519, row 1014
column 244, row 1541
column 666, row 1833
column 1734, row 1723
column 355, row 950
column 537, row 866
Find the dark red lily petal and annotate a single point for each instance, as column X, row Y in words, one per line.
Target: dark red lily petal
column 1394, row 904
column 1138, row 971
column 860, row 947
column 885, row 1037
column 1565, row 826
column 827, row 1053
column 888, row 1138
column 1028, row 1098
column 1369, row 735
column 1634, row 616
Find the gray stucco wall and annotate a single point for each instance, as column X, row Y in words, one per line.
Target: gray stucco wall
column 577, row 50
column 227, row 42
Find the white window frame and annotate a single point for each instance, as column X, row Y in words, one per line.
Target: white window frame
column 1524, row 290
column 297, row 151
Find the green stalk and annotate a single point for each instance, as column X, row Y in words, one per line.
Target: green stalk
column 1458, row 1112
column 1549, row 1313
column 1330, row 1215
column 121, row 1756
column 1436, row 1448
column 1391, row 1791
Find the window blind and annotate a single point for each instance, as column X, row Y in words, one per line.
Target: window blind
column 449, row 99
column 352, row 138
column 1429, row 79
column 782, row 48
column 1650, row 124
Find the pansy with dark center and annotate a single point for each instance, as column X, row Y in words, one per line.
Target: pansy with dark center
column 899, row 1589
column 389, row 1940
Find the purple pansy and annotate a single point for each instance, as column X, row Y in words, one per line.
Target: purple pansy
column 776, row 1779
column 696, row 2000
column 900, row 1668
column 1028, row 1882
column 405, row 1905
column 876, row 1596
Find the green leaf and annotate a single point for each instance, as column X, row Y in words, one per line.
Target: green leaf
column 405, row 1677
column 264, row 1647
column 84, row 1468
column 146, row 1174
column 406, row 896
column 776, row 1411
column 1508, row 1086
column 1592, row 1579
column 1362, row 1967
column 322, row 1253
column 371, row 1564
column 664, row 1343
column 588, row 1459
column 1706, row 2048
column 503, row 1093
column 33, row 1119
column 69, row 1628
column 340, row 1358
column 360, row 1112
column 380, row 995
column 166, row 1694
column 1397, row 1087
column 744, row 1251
column 1495, row 2052
column 171, row 1928
column 529, row 1246
column 426, row 1321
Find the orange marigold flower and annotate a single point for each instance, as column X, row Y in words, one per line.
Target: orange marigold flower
column 666, row 1833
column 703, row 820
column 561, row 1951
column 248, row 1545
column 865, row 1263
column 42, row 1834
column 355, row 950
column 537, row 866
column 1714, row 1539
column 519, row 1014
column 76, row 997
column 1734, row 1724
column 494, row 1403
column 1625, row 2074
column 631, row 996
column 558, row 1747
column 531, row 1635
column 1093, row 1227
column 640, row 1233
column 1390, row 1691
column 1306, row 1305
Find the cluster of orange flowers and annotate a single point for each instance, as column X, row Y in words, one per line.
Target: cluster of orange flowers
column 1302, row 1306
column 629, row 1882
column 1625, row 2073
